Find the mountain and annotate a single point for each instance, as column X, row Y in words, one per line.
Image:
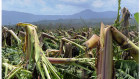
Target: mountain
column 88, row 14
column 13, row 17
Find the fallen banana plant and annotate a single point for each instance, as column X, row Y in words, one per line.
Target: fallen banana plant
column 70, row 60
column 6, row 31
column 48, row 36
column 15, row 69
column 66, row 33
column 36, row 58
column 34, row 53
column 81, row 47
column 104, row 62
column 15, row 36
column 80, row 62
column 80, row 36
column 125, row 43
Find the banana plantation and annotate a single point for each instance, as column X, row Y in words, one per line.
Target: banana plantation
column 107, row 52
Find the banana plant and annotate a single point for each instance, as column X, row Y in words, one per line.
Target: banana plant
column 34, row 53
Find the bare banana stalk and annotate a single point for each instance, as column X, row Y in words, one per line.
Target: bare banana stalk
column 49, row 36
column 4, row 35
column 82, row 47
column 104, row 62
column 99, row 52
column 92, row 42
column 125, row 21
column 69, row 60
column 61, row 47
column 125, row 43
column 5, row 29
column 15, row 36
column 107, row 63
column 68, row 50
column 80, row 36
column 73, row 61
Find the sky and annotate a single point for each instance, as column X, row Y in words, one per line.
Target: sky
column 67, row 7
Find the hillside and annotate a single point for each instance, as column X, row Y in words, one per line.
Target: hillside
column 13, row 17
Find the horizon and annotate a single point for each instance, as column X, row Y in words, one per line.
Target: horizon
column 60, row 14
column 67, row 7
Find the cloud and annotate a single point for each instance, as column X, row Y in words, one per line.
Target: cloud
column 17, row 3
column 74, row 1
column 63, row 8
column 104, row 4
column 97, row 3
column 66, row 6
column 132, row 5
column 29, row 6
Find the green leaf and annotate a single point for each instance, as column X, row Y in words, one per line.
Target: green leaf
column 13, row 72
column 136, row 16
column 46, row 71
column 126, row 69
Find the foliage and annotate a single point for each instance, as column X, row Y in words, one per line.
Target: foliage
column 17, row 65
column 12, row 54
column 15, row 55
column 136, row 16
column 117, row 21
column 126, row 69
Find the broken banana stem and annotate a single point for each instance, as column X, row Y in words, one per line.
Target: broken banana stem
column 73, row 61
column 26, row 24
column 22, row 34
column 125, row 43
column 66, row 33
column 107, row 62
column 82, row 47
column 69, row 60
column 61, row 47
column 49, row 36
column 15, row 36
column 99, row 52
column 52, row 52
column 4, row 29
column 92, row 42
column 34, row 52
column 80, row 36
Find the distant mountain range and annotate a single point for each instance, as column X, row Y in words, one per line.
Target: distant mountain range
column 13, row 17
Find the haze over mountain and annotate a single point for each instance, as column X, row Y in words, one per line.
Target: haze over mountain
column 13, row 17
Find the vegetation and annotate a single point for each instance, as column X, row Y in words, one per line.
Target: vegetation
column 32, row 52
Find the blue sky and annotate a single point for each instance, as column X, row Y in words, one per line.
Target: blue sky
column 66, row 7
